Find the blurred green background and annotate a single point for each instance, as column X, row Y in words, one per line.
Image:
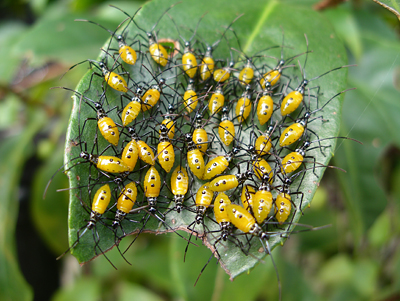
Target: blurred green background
column 358, row 258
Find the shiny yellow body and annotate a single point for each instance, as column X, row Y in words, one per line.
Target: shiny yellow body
column 169, row 123
column 262, row 204
column 116, row 81
column 263, row 145
column 224, row 183
column 215, row 167
column 226, row 131
column 179, row 181
column 291, row 134
column 283, row 206
column 166, row 155
column 261, row 167
column 190, row 100
column 128, row 55
column 265, row 108
column 159, row 54
column 216, row 102
column 272, row 77
column 204, row 196
column 130, row 112
column 240, row 218
column 196, row 162
column 292, row 162
column 127, row 198
column 152, row 183
column 291, row 102
column 108, row 130
column 201, row 139
column 246, row 75
column 243, row 109
column 189, row 64
column 145, row 152
column 150, row 99
column 220, row 212
column 101, row 199
column 247, row 197
column 112, row 164
column 207, row 68
column 222, row 75
column 130, row 154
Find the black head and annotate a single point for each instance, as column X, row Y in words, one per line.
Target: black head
column 102, row 65
column 188, row 137
column 162, row 81
column 199, row 219
column 265, row 178
column 163, row 129
column 120, row 38
column 115, row 224
column 187, row 44
column 139, row 91
column 118, row 181
column 235, row 150
column 84, row 155
column 249, row 173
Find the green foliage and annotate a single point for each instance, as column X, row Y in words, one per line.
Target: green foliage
column 338, row 263
column 256, row 30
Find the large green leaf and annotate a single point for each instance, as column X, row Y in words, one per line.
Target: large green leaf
column 259, row 28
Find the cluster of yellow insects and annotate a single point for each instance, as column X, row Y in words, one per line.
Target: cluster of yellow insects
column 161, row 129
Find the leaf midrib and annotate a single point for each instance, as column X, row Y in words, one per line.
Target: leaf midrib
column 269, row 7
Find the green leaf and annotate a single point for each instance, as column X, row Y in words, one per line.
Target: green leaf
column 14, row 151
column 258, row 29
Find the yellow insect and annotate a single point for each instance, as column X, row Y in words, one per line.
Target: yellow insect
column 224, row 183
column 179, row 186
column 217, row 100
column 243, row 106
column 125, row 203
column 190, row 97
column 152, row 95
column 219, row 164
column 165, row 150
column 247, row 73
column 262, row 202
column 226, row 128
column 194, row 158
column 200, row 136
column 265, row 106
column 152, row 187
